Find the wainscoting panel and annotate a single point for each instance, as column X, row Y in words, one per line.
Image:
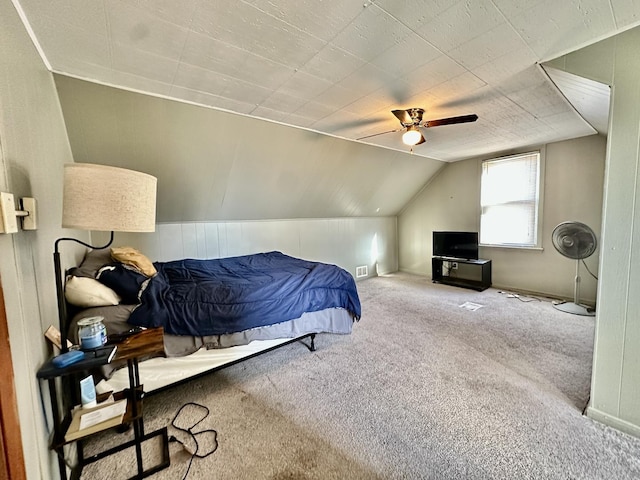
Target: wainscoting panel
column 347, row 242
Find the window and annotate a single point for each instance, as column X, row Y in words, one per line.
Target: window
column 510, row 197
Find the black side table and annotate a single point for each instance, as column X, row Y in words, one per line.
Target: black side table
column 145, row 343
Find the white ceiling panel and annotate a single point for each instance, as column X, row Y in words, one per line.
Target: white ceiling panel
column 503, row 68
column 456, row 87
column 559, row 27
column 367, row 79
column 128, row 60
column 432, row 73
column 216, row 56
column 322, row 19
column 414, row 13
column 370, row 33
column 626, row 12
column 250, row 29
column 406, row 55
column 488, row 47
column 332, row 63
column 341, row 67
column 77, row 51
column 222, row 85
column 337, row 97
column 541, row 101
column 72, row 13
column 200, row 98
column 462, row 22
column 280, row 102
column 179, row 13
column 136, row 82
column 133, row 27
column 304, row 85
column 313, row 110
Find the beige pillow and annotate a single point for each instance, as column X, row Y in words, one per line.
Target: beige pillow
column 131, row 256
column 88, row 292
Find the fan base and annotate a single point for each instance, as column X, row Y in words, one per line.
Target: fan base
column 576, row 309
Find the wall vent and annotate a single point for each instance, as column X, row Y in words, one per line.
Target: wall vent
column 362, row 271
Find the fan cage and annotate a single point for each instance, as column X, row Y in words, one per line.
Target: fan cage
column 574, row 240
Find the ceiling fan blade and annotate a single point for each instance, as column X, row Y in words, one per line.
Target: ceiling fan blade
column 381, row 133
column 450, row 121
column 422, row 140
column 403, row 116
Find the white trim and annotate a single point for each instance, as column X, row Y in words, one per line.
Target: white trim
column 612, row 421
column 31, row 33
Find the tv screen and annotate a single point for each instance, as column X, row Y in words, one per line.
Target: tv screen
column 456, row 245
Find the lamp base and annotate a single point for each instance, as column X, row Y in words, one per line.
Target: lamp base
column 574, row 308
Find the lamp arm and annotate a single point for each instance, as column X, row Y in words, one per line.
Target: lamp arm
column 62, row 304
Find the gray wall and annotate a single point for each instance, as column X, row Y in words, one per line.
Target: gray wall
column 213, row 165
column 573, row 184
column 34, row 147
column 615, row 389
column 346, row 242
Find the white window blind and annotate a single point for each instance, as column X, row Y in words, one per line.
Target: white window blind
column 510, row 189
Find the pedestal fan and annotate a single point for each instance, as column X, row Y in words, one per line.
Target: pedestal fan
column 575, row 240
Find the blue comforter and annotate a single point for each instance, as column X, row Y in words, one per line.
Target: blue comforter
column 213, row 297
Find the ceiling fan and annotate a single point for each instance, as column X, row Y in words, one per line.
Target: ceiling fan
column 411, row 121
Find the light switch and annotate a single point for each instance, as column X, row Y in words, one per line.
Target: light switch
column 29, row 222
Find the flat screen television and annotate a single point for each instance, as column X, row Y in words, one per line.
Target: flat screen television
column 456, row 245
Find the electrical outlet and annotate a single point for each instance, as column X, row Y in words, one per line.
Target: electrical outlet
column 454, row 265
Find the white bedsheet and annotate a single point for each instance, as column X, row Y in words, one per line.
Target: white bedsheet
column 159, row 372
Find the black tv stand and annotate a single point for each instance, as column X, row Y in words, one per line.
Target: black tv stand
column 479, row 283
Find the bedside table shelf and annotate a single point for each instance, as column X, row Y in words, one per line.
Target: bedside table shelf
column 93, row 359
column 59, row 440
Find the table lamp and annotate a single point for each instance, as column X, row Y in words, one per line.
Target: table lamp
column 102, row 198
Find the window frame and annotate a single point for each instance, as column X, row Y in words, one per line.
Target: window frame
column 539, row 207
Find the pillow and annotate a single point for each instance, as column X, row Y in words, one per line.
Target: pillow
column 133, row 257
column 87, row 292
column 93, row 260
column 124, row 280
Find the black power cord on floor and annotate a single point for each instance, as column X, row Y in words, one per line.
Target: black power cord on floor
column 195, row 452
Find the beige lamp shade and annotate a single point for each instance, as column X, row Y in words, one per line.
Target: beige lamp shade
column 105, row 198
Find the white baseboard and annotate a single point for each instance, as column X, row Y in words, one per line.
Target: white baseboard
column 614, row 422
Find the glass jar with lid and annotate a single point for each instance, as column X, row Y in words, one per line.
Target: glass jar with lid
column 92, row 333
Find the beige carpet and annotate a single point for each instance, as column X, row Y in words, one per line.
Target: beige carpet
column 423, row 388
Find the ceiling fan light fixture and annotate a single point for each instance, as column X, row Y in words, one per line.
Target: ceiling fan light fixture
column 412, row 136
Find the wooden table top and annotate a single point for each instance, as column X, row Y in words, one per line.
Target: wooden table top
column 145, row 343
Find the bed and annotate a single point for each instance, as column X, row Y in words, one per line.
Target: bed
column 214, row 312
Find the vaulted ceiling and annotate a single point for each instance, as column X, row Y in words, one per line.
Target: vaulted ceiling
column 340, row 67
